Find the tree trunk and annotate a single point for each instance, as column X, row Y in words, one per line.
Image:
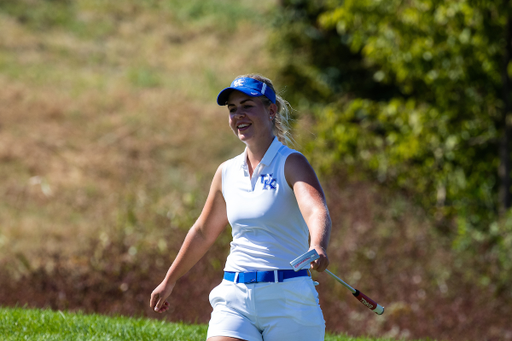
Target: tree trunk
column 505, row 159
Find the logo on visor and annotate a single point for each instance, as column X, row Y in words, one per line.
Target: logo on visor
column 237, row 83
column 268, row 182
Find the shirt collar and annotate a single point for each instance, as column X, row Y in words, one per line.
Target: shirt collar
column 270, row 154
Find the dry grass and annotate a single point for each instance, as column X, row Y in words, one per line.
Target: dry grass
column 101, row 134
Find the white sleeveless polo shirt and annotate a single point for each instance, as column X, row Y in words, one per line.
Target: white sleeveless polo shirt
column 267, row 226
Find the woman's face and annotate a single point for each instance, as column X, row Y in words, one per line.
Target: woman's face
column 249, row 118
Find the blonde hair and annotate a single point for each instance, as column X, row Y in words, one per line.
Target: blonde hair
column 282, row 119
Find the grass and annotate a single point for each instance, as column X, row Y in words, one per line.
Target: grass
column 36, row 324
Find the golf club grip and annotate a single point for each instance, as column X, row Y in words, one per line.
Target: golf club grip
column 369, row 303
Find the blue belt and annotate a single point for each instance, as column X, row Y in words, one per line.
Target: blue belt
column 263, row 276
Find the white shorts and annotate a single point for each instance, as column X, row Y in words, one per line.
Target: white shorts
column 267, row 311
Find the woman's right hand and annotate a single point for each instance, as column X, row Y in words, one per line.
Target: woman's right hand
column 201, row 236
column 159, row 297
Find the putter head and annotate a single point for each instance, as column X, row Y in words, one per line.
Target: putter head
column 303, row 260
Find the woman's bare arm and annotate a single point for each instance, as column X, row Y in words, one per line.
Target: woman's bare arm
column 201, row 236
column 311, row 199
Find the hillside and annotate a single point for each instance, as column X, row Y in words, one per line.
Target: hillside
column 109, row 137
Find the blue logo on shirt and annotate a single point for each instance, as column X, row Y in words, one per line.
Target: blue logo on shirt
column 268, row 182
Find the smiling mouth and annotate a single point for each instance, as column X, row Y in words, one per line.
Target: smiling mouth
column 242, row 126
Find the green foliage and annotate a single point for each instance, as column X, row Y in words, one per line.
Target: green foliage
column 442, row 134
column 416, row 148
column 419, row 108
column 316, row 63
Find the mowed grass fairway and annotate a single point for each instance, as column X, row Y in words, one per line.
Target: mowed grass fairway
column 36, row 324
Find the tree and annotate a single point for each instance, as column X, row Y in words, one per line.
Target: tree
column 433, row 119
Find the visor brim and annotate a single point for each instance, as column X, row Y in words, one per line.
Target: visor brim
column 223, row 96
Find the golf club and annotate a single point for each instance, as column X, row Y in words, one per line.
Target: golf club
column 310, row 256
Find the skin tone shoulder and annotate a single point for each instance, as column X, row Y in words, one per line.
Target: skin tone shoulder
column 252, row 121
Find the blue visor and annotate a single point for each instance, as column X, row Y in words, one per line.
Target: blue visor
column 248, row 86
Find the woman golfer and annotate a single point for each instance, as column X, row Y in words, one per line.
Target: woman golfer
column 273, row 201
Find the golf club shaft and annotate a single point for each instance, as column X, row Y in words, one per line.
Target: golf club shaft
column 365, row 300
column 341, row 281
